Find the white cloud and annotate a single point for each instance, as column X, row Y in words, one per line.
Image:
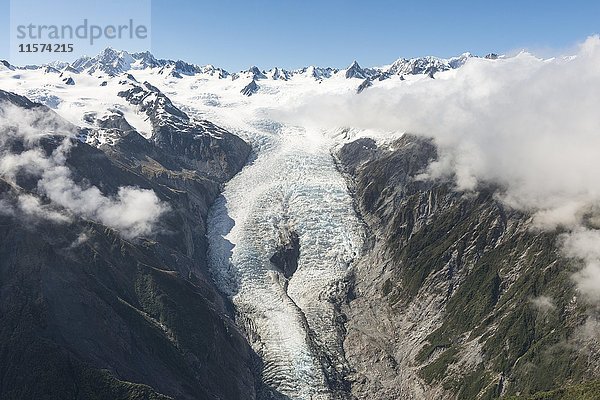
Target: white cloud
column 543, row 304
column 527, row 124
column 6, row 208
column 30, row 161
column 588, row 281
column 584, row 244
column 133, row 211
column 81, row 239
column 30, row 125
column 32, row 206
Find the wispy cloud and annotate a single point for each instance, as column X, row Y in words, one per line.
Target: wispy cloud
column 543, row 304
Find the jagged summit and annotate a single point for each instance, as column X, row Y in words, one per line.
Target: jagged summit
column 279, row 74
column 114, row 62
column 146, row 60
column 255, row 73
column 365, row 84
column 426, row 65
column 355, row 71
column 110, row 61
column 316, row 72
column 212, row 70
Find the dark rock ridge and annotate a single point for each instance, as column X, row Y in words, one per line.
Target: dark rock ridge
column 69, row 69
column 199, row 145
column 279, row 74
column 365, row 84
column 250, row 89
column 445, row 295
column 86, row 314
column 20, row 101
column 51, row 70
column 287, row 253
column 7, row 65
column 256, row 73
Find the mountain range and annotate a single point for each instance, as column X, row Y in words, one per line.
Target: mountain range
column 114, row 62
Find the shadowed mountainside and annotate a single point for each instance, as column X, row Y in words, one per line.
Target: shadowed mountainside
column 87, row 313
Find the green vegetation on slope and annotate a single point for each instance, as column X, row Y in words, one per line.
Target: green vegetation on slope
column 583, row 391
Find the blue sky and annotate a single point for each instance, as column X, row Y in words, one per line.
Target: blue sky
column 292, row 33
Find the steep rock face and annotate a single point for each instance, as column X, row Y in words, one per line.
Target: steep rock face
column 197, row 145
column 287, row 253
column 109, row 61
column 457, row 297
column 279, row 74
column 147, row 60
column 256, row 73
column 86, row 313
column 355, row 71
column 365, row 84
column 250, row 88
column 88, row 321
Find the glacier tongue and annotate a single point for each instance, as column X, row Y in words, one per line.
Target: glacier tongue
column 294, row 182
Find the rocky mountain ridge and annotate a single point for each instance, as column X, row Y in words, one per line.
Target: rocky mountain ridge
column 452, row 296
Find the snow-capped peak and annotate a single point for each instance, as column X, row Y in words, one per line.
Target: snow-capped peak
column 114, row 62
column 145, row 60
column 278, row 74
column 110, row 61
column 256, row 73
column 426, row 65
column 355, row 71
column 316, row 72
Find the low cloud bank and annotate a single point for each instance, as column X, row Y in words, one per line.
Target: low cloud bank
column 531, row 126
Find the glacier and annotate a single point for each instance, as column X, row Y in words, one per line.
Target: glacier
column 293, row 181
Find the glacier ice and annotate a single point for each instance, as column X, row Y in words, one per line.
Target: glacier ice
column 292, row 181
